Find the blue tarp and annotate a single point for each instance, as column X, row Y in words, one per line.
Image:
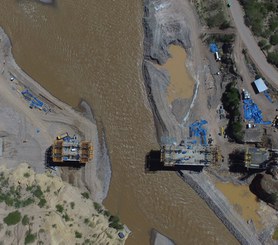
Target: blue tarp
column 253, row 113
column 34, row 102
column 213, row 48
column 267, row 95
column 196, row 130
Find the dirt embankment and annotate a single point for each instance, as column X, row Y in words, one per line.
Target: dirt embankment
column 164, row 25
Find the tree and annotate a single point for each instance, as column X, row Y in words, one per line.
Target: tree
column 224, row 25
column 274, row 39
column 13, row 218
column 262, row 43
column 272, row 58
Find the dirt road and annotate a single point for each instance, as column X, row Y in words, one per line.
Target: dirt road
column 267, row 70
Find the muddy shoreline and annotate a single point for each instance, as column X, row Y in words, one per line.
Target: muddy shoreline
column 159, row 34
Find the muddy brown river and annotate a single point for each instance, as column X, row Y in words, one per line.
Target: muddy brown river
column 93, row 49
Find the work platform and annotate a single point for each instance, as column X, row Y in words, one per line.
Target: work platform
column 71, row 150
column 186, row 155
column 256, row 158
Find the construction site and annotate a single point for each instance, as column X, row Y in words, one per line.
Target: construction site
column 189, row 154
column 256, row 158
column 193, row 151
column 69, row 149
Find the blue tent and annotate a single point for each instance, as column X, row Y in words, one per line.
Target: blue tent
column 213, row 48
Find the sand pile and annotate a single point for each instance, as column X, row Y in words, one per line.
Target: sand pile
column 44, row 209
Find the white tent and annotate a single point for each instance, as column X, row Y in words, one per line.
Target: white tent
column 260, row 85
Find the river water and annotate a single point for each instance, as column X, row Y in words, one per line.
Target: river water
column 93, row 49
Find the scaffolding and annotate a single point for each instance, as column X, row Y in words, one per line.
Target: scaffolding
column 186, row 155
column 256, row 158
column 71, row 150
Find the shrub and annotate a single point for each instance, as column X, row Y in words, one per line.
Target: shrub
column 37, row 192
column 13, row 218
column 85, row 195
column 72, row 204
column 59, row 208
column 107, row 213
column 262, row 43
column 26, row 175
column 25, row 220
column 97, row 207
column 115, row 222
column 274, row 39
column 78, row 234
column 272, row 58
column 42, row 202
column 66, row 217
column 30, row 238
column 273, row 24
column 225, row 25
column 27, row 202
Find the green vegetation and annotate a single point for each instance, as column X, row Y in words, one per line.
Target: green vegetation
column 98, row 207
column 114, row 222
column 216, row 20
column 26, row 175
column 72, row 204
column 107, row 213
column 13, row 218
column 78, row 234
column 59, row 208
column 29, row 237
column 41, row 203
column 212, row 12
column 85, row 195
column 274, row 39
column 272, row 58
column 25, row 220
column 37, row 192
column 66, row 217
column 262, row 17
column 13, row 196
column 231, row 102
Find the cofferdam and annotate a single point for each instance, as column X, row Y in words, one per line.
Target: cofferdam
column 92, row 50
